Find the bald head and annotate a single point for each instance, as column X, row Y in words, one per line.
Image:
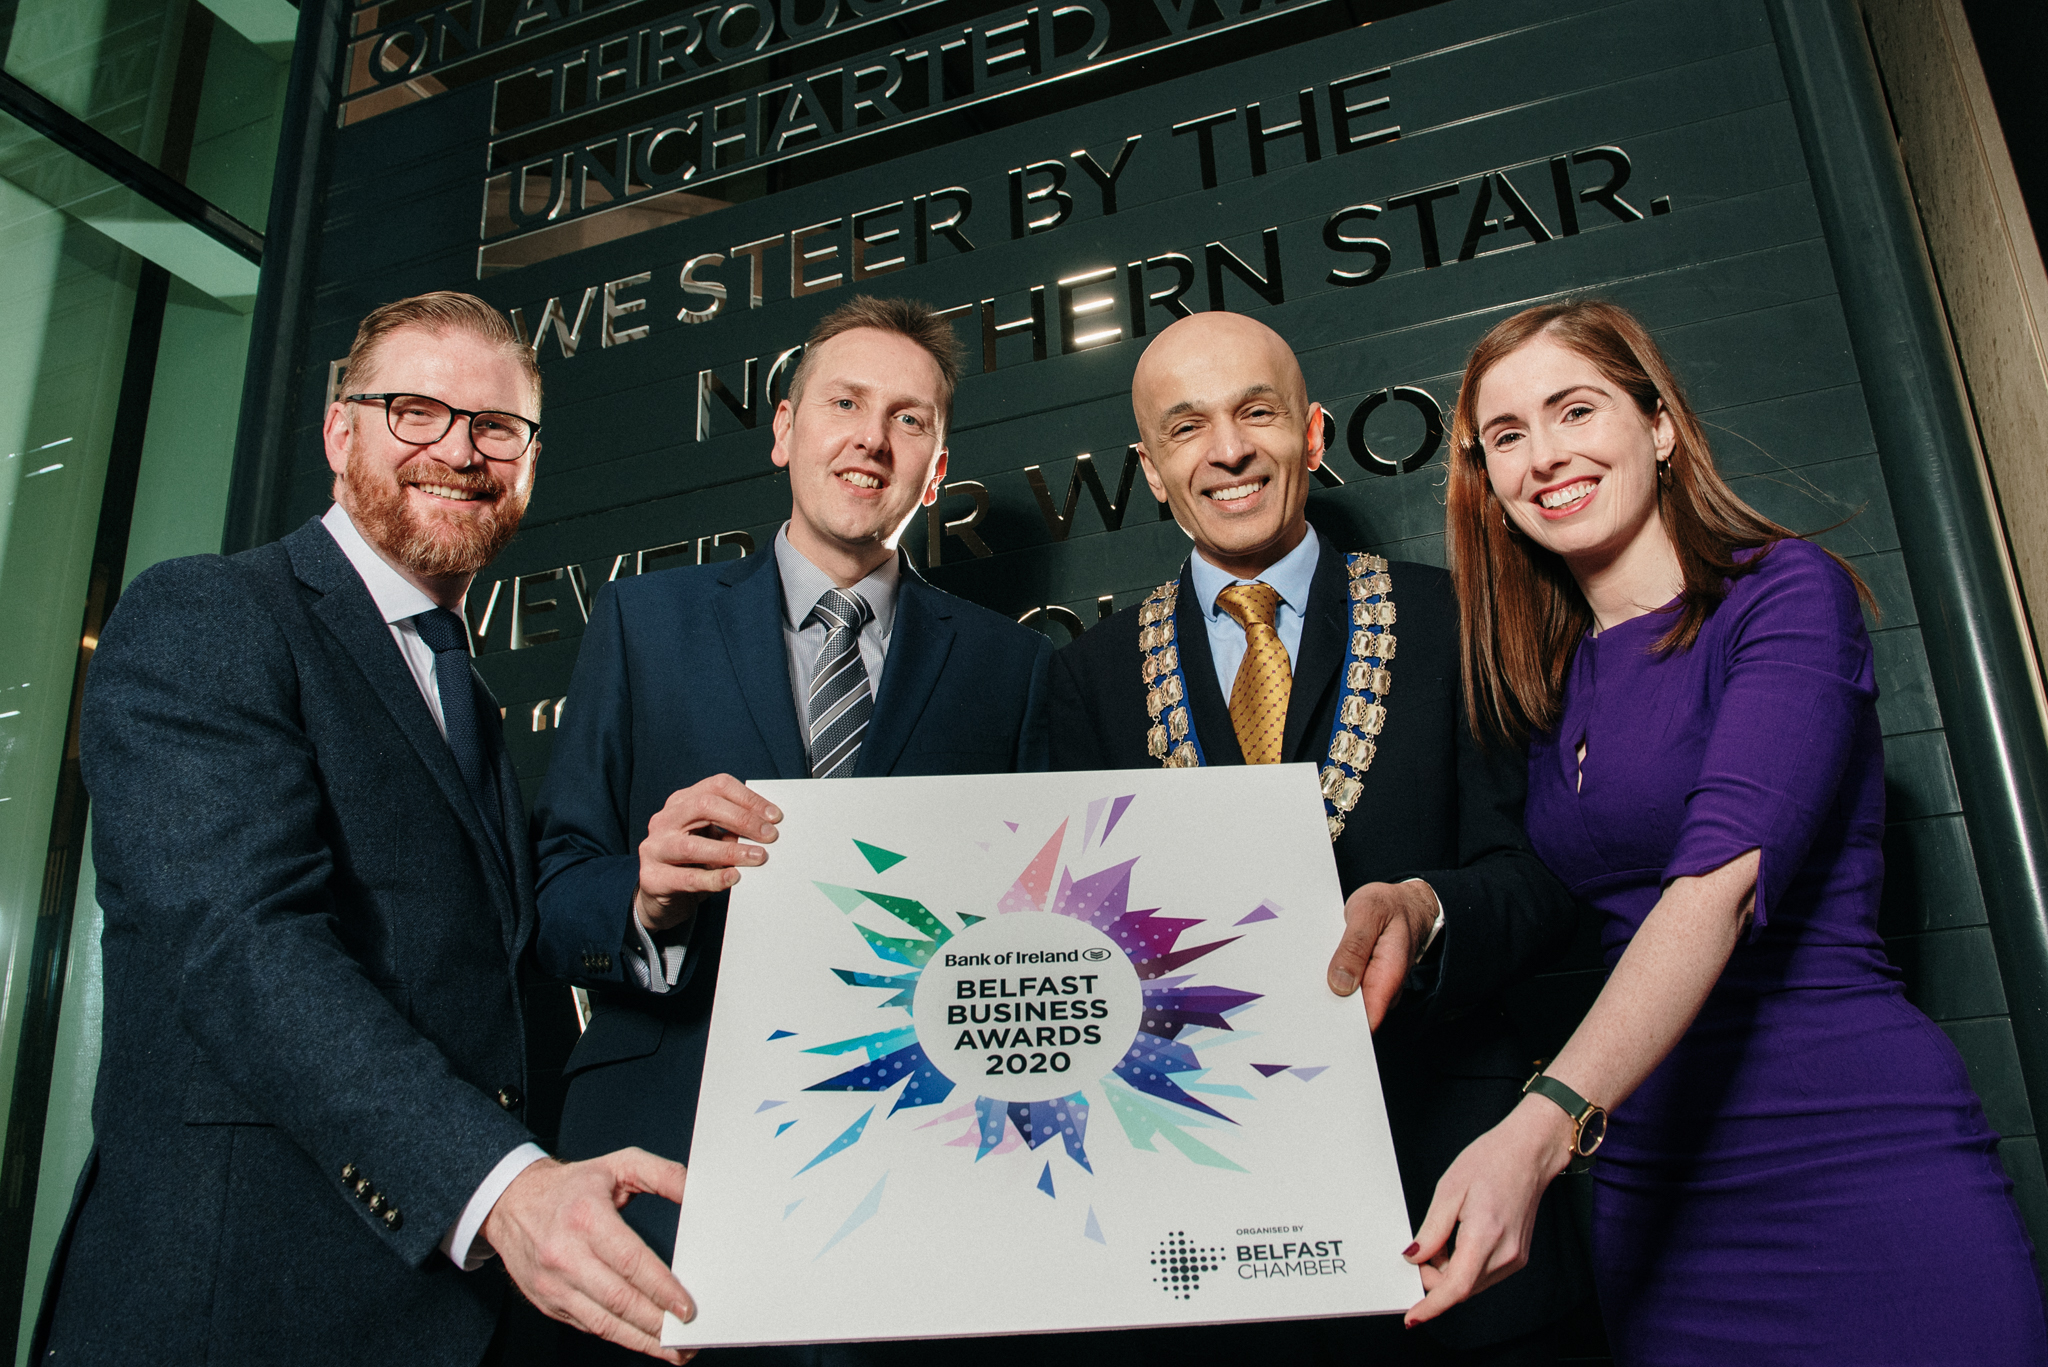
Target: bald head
column 1228, row 437
column 1212, row 354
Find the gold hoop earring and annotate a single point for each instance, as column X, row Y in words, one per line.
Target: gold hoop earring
column 1664, row 474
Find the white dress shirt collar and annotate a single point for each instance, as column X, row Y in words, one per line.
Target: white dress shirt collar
column 396, row 597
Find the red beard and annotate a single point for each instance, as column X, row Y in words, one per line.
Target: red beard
column 430, row 543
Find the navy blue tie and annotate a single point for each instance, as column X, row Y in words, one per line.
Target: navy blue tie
column 443, row 632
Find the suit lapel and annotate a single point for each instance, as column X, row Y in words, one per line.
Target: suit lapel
column 1208, row 709
column 919, row 643
column 1325, row 627
column 749, row 616
column 346, row 610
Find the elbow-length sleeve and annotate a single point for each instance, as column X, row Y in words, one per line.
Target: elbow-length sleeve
column 1796, row 686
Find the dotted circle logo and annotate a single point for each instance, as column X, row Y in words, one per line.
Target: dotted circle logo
column 1181, row 1265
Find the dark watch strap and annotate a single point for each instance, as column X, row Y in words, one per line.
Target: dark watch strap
column 1574, row 1105
column 1577, row 1107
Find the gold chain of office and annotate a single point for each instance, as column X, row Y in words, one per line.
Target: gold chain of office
column 1361, row 710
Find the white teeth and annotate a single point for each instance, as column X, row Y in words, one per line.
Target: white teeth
column 444, row 491
column 1235, row 491
column 1571, row 493
column 860, row 480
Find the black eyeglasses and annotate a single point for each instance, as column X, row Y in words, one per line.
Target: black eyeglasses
column 420, row 420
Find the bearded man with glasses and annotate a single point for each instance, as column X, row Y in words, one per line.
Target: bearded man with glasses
column 311, row 851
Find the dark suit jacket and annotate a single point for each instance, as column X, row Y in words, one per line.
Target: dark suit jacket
column 311, row 962
column 683, row 675
column 1436, row 806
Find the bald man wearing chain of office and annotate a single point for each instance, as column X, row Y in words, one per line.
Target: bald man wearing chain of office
column 1273, row 645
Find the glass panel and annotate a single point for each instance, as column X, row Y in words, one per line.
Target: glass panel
column 55, row 178
column 193, row 89
column 188, row 451
column 65, row 311
column 67, row 1137
column 66, row 302
column 234, row 136
column 104, row 61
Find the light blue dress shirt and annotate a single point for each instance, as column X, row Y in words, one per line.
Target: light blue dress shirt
column 1289, row 576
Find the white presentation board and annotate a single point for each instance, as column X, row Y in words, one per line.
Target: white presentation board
column 1016, row 1053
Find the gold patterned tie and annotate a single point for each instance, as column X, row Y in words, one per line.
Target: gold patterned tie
column 1258, row 700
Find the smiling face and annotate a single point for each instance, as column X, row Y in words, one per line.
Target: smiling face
column 1574, row 462
column 1228, row 438
column 439, row 513
column 864, row 444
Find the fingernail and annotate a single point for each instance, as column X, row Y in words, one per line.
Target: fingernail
column 1412, row 1249
column 774, row 813
column 755, row 856
column 1342, row 983
column 734, row 879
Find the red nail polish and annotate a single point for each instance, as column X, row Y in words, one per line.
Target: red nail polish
column 1412, row 1249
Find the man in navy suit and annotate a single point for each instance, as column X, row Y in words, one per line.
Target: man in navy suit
column 311, row 855
column 826, row 657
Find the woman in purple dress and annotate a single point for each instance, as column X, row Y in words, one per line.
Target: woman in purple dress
column 1796, row 1168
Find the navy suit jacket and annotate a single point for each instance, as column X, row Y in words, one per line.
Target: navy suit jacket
column 683, row 675
column 311, row 965
column 1435, row 805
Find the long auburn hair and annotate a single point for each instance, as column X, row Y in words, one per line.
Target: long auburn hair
column 1522, row 614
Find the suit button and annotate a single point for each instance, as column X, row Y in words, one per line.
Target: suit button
column 348, row 1172
column 509, row 1098
column 363, row 1188
column 392, row 1219
column 377, row 1204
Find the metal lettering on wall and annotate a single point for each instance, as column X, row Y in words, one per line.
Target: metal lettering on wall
column 669, row 118
column 1378, row 192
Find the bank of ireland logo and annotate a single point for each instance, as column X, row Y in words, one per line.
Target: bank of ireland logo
column 1056, row 1000
column 1179, row 1263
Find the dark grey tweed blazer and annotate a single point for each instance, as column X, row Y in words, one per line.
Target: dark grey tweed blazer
column 311, row 985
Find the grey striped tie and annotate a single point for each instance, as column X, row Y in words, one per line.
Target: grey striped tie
column 841, row 701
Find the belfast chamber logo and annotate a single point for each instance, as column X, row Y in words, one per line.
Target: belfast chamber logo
column 1179, row 1264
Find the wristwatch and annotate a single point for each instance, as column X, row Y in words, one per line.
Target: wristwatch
column 1589, row 1122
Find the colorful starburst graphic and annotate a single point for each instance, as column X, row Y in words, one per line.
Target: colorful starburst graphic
column 1144, row 1089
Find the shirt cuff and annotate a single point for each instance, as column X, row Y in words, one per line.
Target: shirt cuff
column 656, row 967
column 1437, row 927
column 461, row 1245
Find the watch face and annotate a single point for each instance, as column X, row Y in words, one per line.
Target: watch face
column 1592, row 1131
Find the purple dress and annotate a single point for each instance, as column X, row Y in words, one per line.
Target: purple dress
column 1808, row 1178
